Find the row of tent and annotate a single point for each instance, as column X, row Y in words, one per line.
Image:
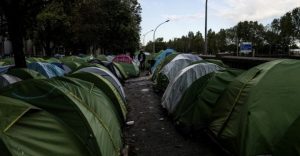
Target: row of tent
column 45, row 110
column 122, row 69
column 249, row 113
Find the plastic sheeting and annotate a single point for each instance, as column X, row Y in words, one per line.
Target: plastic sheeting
column 161, row 57
column 187, row 76
column 178, row 63
column 47, row 69
column 67, row 69
column 6, row 80
column 107, row 75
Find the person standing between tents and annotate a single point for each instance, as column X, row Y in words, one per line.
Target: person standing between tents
column 142, row 59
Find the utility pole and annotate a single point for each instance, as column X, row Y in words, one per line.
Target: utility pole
column 205, row 46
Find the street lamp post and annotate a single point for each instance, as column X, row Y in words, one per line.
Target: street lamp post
column 144, row 36
column 205, row 46
column 154, row 34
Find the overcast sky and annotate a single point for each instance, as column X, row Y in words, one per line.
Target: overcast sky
column 188, row 15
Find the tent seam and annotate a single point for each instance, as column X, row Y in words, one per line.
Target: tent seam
column 13, row 122
column 99, row 118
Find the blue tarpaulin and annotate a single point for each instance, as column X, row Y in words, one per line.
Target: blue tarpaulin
column 161, row 57
column 4, row 69
column 46, row 69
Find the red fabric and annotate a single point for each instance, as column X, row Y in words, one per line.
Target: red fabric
column 123, row 58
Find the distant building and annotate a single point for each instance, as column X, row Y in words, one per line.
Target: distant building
column 3, row 30
column 7, row 47
column 29, row 47
column 294, row 52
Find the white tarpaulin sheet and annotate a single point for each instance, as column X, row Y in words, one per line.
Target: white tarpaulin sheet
column 178, row 63
column 6, row 80
column 185, row 78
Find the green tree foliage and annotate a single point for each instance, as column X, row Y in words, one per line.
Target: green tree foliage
column 110, row 25
column 273, row 39
column 221, row 40
column 159, row 45
column 296, row 22
column 212, row 42
column 251, row 31
column 193, row 42
column 53, row 25
column 20, row 16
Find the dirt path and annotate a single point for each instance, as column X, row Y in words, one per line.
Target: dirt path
column 153, row 134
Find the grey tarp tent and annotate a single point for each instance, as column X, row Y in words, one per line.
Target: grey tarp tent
column 177, row 64
column 107, row 75
column 6, row 80
column 184, row 79
column 194, row 110
column 172, row 69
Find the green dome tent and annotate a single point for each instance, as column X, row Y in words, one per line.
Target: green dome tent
column 85, row 65
column 102, row 57
column 258, row 114
column 167, row 59
column 74, row 59
column 108, row 89
column 108, row 65
column 87, row 58
column 25, row 73
column 2, row 63
column 53, row 60
column 217, row 62
column 194, row 109
column 108, row 76
column 35, row 59
column 80, row 105
column 8, row 61
column 28, row 130
column 127, row 70
column 71, row 64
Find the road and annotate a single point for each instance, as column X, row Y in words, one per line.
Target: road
column 153, row 133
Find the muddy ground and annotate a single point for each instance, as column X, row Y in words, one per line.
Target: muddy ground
column 153, row 133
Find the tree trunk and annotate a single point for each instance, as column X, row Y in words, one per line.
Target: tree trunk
column 48, row 49
column 16, row 29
